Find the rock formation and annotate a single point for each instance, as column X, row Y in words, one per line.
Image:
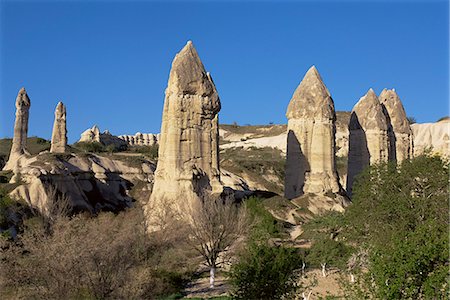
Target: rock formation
column 368, row 138
column 310, row 166
column 106, row 138
column 432, row 136
column 188, row 163
column 140, row 139
column 19, row 143
column 59, row 134
column 400, row 134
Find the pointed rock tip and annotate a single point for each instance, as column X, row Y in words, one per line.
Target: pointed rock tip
column 22, row 90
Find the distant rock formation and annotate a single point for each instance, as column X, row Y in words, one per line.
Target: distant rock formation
column 310, row 165
column 19, row 143
column 140, row 139
column 401, row 138
column 188, row 163
column 434, row 137
column 368, row 139
column 59, row 134
column 106, row 138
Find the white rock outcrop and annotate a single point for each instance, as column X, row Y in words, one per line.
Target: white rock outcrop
column 59, row 133
column 400, row 135
column 310, row 165
column 368, row 138
column 188, row 162
column 433, row 137
column 140, row 139
column 19, row 143
column 106, row 138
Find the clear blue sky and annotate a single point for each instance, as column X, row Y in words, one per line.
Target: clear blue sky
column 109, row 61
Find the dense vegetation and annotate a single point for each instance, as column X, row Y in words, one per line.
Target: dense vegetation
column 395, row 234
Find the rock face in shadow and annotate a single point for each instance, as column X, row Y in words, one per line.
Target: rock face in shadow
column 89, row 182
column 368, row 138
column 59, row 134
column 19, row 143
column 310, row 165
column 400, row 133
column 188, row 160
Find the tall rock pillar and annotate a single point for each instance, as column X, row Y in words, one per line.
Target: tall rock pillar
column 368, row 138
column 19, row 143
column 310, row 165
column 59, row 134
column 400, row 135
column 188, row 160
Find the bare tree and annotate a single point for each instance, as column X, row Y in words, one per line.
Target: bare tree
column 214, row 227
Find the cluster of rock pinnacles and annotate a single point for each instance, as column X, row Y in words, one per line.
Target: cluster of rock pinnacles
column 188, row 163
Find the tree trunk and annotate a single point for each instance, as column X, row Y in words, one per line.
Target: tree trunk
column 324, row 270
column 212, row 277
column 352, row 278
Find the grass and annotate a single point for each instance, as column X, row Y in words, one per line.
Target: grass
column 255, row 162
column 35, row 145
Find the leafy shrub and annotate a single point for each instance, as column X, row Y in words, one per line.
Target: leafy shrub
column 401, row 214
column 264, row 224
column 330, row 252
column 265, row 272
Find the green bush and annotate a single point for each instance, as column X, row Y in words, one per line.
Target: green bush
column 264, row 224
column 329, row 252
column 265, row 272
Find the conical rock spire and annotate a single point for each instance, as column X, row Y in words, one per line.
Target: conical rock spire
column 188, row 160
column 310, row 166
column 19, row 143
column 59, row 134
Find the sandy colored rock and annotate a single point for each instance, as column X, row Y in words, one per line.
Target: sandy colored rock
column 188, row 162
column 140, row 139
column 106, row 138
column 368, row 138
column 19, row 143
column 400, row 134
column 59, row 134
column 434, row 137
column 310, row 166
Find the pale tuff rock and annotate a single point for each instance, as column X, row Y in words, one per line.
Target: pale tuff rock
column 59, row 134
column 140, row 139
column 368, row 139
column 188, row 164
column 19, row 143
column 400, row 134
column 310, row 166
column 433, row 137
column 89, row 182
column 106, row 138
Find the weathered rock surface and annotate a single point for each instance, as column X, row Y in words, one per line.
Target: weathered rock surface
column 433, row 137
column 368, row 139
column 89, row 182
column 310, row 165
column 19, row 144
column 59, row 134
column 106, row 138
column 400, row 134
column 140, row 139
column 188, row 164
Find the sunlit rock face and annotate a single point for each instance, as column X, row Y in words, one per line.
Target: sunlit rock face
column 19, row 143
column 310, row 165
column 368, row 138
column 59, row 134
column 400, row 134
column 188, row 160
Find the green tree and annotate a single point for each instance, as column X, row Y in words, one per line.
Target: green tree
column 400, row 214
column 265, row 272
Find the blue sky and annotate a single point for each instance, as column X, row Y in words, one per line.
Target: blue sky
column 109, row 61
